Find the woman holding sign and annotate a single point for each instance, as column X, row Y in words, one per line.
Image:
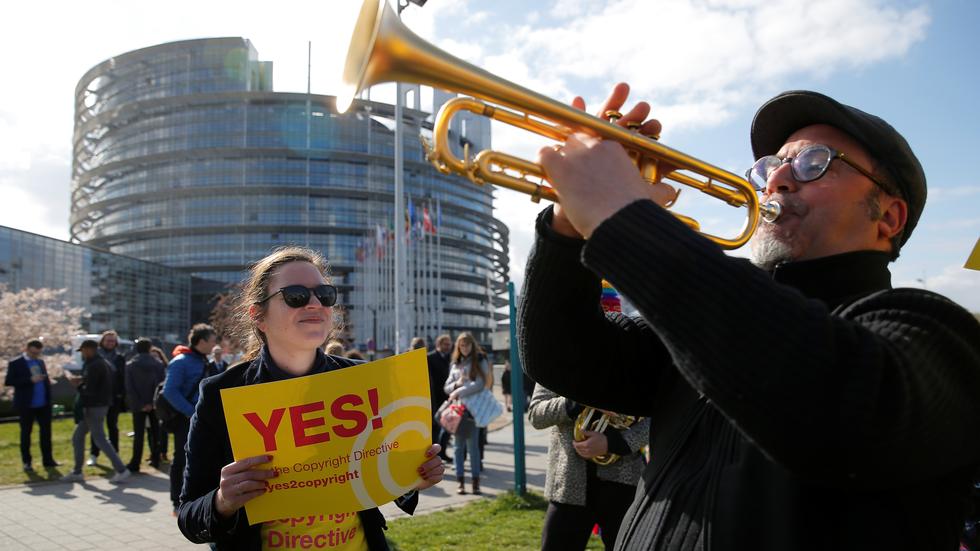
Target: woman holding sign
column 287, row 310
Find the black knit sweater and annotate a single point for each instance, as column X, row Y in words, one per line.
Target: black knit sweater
column 811, row 408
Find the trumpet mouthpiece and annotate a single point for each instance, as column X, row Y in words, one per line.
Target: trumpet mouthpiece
column 771, row 211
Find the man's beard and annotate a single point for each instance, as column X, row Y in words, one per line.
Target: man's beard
column 768, row 246
column 768, row 250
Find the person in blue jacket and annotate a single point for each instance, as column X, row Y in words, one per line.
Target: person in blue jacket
column 32, row 401
column 184, row 375
column 286, row 308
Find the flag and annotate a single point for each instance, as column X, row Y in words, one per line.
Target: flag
column 379, row 241
column 610, row 298
column 427, row 221
column 410, row 218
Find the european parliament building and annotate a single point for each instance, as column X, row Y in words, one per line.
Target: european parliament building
column 184, row 156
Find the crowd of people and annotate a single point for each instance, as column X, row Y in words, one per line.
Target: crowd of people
column 794, row 400
column 107, row 384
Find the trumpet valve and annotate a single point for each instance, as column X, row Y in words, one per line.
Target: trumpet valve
column 612, row 115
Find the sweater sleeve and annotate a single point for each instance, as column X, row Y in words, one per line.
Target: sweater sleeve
column 886, row 389
column 198, row 517
column 132, row 396
column 450, row 384
column 546, row 409
column 569, row 345
column 176, row 375
column 16, row 376
column 629, row 440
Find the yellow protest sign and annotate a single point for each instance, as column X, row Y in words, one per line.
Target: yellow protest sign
column 342, row 441
column 973, row 262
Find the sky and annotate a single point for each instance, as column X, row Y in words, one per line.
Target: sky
column 704, row 65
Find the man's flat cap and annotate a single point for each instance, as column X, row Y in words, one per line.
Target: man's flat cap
column 790, row 111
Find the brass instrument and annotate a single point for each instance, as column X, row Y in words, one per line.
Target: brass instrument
column 597, row 421
column 382, row 49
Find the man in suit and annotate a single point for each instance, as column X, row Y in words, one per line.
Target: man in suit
column 32, row 400
column 438, row 361
column 218, row 364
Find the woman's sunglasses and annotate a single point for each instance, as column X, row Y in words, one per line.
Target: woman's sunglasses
column 297, row 296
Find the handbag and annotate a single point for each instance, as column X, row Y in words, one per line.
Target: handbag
column 166, row 413
column 438, row 413
column 483, row 406
column 451, row 417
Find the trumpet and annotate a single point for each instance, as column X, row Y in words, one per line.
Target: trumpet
column 382, row 49
column 597, row 421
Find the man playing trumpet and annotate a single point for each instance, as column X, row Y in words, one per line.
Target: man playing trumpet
column 797, row 403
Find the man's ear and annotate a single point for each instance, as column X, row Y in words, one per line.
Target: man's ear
column 894, row 215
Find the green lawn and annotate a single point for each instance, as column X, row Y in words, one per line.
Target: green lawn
column 508, row 522
column 11, row 469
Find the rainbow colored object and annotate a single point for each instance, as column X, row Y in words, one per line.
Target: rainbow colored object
column 610, row 300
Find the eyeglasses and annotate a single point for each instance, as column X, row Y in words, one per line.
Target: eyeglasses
column 808, row 165
column 297, row 296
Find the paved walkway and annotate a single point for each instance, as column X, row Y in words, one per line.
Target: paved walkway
column 136, row 515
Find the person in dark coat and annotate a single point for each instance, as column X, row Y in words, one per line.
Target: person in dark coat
column 32, row 401
column 94, row 395
column 289, row 305
column 796, row 401
column 438, row 360
column 108, row 349
column 143, row 374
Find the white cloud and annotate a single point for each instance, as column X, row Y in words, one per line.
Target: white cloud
column 956, row 282
column 700, row 61
column 954, row 193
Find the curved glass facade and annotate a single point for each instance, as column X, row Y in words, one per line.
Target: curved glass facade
column 116, row 292
column 184, row 156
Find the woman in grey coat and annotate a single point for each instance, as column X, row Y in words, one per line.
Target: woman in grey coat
column 580, row 492
column 469, row 374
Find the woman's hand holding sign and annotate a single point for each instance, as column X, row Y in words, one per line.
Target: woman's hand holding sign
column 241, row 483
column 432, row 470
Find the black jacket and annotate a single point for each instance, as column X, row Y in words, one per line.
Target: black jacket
column 117, row 376
column 209, row 449
column 19, row 377
column 438, row 372
column 96, row 387
column 143, row 374
column 814, row 408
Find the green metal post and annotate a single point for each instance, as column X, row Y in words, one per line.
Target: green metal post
column 517, row 395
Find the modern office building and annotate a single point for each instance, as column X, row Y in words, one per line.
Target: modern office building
column 185, row 156
column 134, row 297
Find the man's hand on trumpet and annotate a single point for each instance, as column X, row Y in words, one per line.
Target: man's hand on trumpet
column 595, row 178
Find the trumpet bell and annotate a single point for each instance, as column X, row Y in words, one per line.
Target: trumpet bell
column 382, row 49
column 359, row 52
